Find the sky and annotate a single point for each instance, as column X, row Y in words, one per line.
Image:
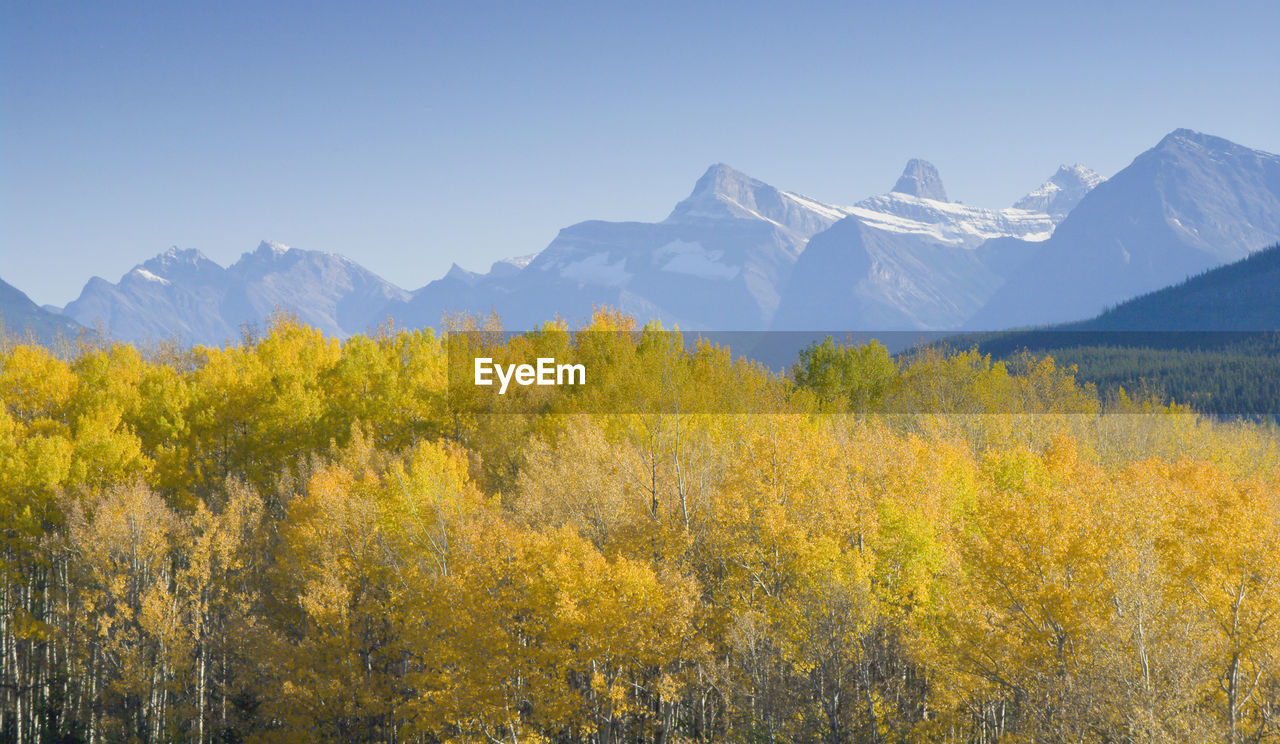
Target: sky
column 409, row 136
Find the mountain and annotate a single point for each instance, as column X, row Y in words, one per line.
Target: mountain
column 908, row 259
column 717, row 261
column 1241, row 296
column 739, row 254
column 1062, row 192
column 176, row 294
column 1188, row 204
column 20, row 317
column 184, row 294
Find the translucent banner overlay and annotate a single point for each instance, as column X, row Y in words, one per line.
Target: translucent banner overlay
column 1223, row 373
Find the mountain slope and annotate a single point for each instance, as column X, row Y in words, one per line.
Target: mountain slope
column 183, row 294
column 20, row 317
column 1212, row 341
column 1190, row 203
column 1241, row 296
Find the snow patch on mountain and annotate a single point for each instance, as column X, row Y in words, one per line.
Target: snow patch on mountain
column 510, row 266
column 597, row 269
column 148, row 276
column 692, row 259
column 908, row 259
column 950, row 223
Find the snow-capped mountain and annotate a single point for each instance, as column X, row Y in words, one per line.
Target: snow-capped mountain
column 908, row 259
column 1188, row 204
column 1062, row 192
column 183, row 294
column 717, row 261
column 725, row 256
column 738, row 253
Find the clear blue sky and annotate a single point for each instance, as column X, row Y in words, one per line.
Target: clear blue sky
column 411, row 135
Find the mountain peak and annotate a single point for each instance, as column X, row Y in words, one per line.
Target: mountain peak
column 723, row 180
column 1184, row 140
column 458, row 273
column 920, row 178
column 721, row 191
column 1062, row 192
column 272, row 248
column 174, row 258
column 183, row 255
column 724, row 192
column 272, row 256
column 1076, row 172
column 1182, row 133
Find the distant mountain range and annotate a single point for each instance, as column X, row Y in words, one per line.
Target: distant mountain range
column 719, row 260
column 739, row 254
column 21, row 318
column 183, row 294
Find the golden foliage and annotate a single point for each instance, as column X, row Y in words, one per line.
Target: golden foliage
column 298, row 539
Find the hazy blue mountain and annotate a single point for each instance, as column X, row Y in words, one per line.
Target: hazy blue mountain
column 183, row 294
column 20, row 318
column 724, row 258
column 717, row 261
column 1190, row 203
column 908, row 260
column 738, row 253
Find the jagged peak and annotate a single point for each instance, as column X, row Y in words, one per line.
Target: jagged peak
column 458, row 274
column 173, row 258
column 1076, row 173
column 270, row 254
column 1062, row 192
column 455, row 271
column 272, row 248
column 720, row 188
column 183, row 254
column 724, row 180
column 920, row 178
